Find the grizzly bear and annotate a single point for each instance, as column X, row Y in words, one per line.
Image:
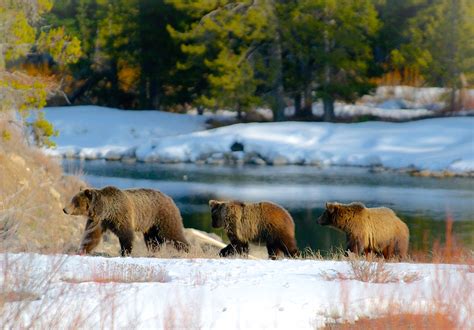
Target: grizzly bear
column 377, row 230
column 125, row 211
column 250, row 222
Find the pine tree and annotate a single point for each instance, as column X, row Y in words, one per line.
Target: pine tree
column 441, row 44
column 221, row 40
column 331, row 47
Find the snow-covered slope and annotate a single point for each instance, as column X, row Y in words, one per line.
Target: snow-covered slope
column 153, row 136
column 95, row 292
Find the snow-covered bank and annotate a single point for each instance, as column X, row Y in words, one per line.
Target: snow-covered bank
column 85, row 292
column 100, row 132
column 441, row 144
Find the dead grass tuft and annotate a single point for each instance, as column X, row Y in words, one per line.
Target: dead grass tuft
column 372, row 270
column 110, row 272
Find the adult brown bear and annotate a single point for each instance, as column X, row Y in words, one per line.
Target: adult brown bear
column 376, row 230
column 247, row 222
column 125, row 211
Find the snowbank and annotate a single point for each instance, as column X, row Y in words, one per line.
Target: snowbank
column 441, row 144
column 92, row 292
column 99, row 132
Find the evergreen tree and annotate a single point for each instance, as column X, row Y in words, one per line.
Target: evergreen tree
column 221, row 40
column 158, row 54
column 331, row 47
column 441, row 44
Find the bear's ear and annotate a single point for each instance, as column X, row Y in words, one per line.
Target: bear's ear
column 89, row 193
column 331, row 207
column 213, row 203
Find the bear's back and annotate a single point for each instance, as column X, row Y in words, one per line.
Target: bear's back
column 150, row 205
column 387, row 221
column 276, row 214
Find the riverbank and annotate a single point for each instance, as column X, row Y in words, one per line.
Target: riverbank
column 430, row 147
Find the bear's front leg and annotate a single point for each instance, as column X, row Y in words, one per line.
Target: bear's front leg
column 92, row 235
column 354, row 246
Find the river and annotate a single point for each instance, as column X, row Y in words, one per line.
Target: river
column 424, row 204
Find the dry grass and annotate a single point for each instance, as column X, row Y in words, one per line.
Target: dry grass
column 448, row 252
column 34, row 297
column 181, row 315
column 33, row 191
column 399, row 321
column 122, row 273
column 22, row 286
column 372, row 270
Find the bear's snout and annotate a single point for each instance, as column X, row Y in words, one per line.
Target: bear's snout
column 216, row 219
column 322, row 220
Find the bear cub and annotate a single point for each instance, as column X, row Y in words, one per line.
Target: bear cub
column 377, row 230
column 249, row 222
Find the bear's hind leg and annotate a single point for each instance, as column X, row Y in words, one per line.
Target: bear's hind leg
column 288, row 246
column 273, row 250
column 126, row 242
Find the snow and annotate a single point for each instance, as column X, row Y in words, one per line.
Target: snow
column 99, row 132
column 439, row 144
column 220, row 293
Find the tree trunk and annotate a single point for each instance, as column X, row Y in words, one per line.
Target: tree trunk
column 143, row 92
column 307, row 110
column 239, row 112
column 154, row 94
column 297, row 101
column 114, row 85
column 328, row 104
column 278, row 103
column 453, row 104
column 453, row 39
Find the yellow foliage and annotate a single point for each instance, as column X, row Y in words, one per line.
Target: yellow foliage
column 63, row 48
column 128, row 76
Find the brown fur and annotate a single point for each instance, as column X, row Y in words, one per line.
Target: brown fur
column 377, row 230
column 126, row 211
column 247, row 222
